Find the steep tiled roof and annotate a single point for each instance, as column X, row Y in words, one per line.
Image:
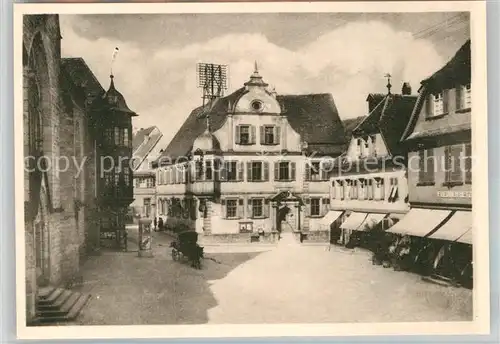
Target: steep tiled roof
column 81, row 76
column 350, row 124
column 456, row 72
column 138, row 137
column 143, row 148
column 388, row 118
column 313, row 116
column 195, row 125
column 395, row 116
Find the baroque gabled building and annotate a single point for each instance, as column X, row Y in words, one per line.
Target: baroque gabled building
column 252, row 164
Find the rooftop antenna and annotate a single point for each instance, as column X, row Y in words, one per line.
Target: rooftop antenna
column 113, row 58
column 388, row 76
column 213, row 79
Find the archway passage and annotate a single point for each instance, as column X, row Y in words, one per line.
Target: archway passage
column 281, row 219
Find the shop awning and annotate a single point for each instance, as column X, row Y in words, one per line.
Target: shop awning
column 354, row 221
column 371, row 221
column 331, row 216
column 455, row 227
column 466, row 238
column 419, row 222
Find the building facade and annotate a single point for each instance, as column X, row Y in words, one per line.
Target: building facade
column 113, row 119
column 438, row 139
column 146, row 145
column 251, row 164
column 369, row 186
column 59, row 178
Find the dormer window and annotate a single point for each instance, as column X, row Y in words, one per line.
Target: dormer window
column 463, row 96
column 437, row 104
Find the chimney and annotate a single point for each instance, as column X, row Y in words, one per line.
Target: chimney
column 406, row 89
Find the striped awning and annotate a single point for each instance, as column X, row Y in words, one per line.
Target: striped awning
column 354, row 221
column 419, row 222
column 371, row 221
column 455, row 227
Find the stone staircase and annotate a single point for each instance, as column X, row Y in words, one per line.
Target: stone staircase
column 58, row 305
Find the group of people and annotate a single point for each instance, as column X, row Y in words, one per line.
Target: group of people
column 448, row 262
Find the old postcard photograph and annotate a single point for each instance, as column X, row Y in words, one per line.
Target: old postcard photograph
column 251, row 169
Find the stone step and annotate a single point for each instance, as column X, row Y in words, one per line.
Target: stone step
column 63, row 297
column 65, row 307
column 45, row 292
column 51, row 298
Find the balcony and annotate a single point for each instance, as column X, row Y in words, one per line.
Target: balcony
column 202, row 188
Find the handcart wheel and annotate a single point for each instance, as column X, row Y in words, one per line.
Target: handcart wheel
column 175, row 254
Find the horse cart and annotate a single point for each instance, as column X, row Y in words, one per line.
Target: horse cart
column 186, row 246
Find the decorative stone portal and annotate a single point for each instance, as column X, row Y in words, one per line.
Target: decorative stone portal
column 287, row 213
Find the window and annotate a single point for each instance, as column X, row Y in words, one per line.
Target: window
column 257, row 105
column 378, row 192
column 362, row 190
column 108, row 179
column 125, row 137
column 208, row 170
column 314, row 171
column 117, row 175
column 270, row 135
column 372, row 151
column 245, row 134
column 232, row 171
column 437, row 104
column 453, row 168
column 369, row 189
column 198, row 173
column 126, row 176
column 463, row 97
column 315, row 206
column 284, row 171
column 347, row 189
column 257, row 171
column 426, row 167
column 147, row 206
column 257, row 207
column 150, row 182
column 468, row 163
column 358, row 144
column 109, row 135
column 393, row 191
column 117, row 136
column 339, row 189
column 231, row 208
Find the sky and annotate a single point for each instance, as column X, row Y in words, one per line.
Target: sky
column 345, row 54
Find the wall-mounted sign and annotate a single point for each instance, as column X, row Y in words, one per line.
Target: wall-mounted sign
column 454, row 194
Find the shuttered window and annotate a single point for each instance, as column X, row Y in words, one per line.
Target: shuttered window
column 468, row 163
column 315, row 207
column 245, row 134
column 284, row 171
column 453, row 168
column 426, row 166
column 270, row 135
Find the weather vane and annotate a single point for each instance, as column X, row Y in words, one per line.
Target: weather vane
column 388, row 76
column 113, row 58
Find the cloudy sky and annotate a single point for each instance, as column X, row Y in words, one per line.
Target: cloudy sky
column 344, row 54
